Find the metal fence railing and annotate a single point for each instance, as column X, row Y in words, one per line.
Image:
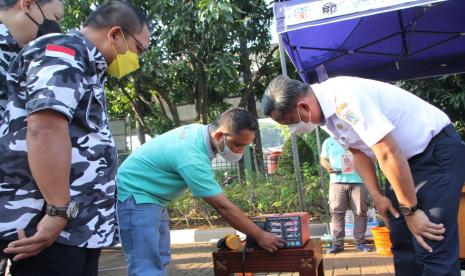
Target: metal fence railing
column 271, row 167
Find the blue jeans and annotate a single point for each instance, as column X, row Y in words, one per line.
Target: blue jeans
column 145, row 236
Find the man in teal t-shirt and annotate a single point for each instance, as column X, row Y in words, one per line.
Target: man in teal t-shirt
column 160, row 170
column 345, row 190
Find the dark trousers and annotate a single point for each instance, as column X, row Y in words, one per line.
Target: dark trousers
column 439, row 174
column 57, row 260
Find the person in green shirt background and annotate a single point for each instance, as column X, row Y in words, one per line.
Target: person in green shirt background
column 160, row 170
column 345, row 190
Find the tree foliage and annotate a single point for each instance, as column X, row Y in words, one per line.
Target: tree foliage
column 445, row 92
column 202, row 51
column 306, row 156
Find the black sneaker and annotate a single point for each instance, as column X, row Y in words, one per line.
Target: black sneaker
column 334, row 249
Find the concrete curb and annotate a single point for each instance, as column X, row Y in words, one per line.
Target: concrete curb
column 212, row 235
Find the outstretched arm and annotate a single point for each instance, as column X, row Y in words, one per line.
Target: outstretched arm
column 234, row 216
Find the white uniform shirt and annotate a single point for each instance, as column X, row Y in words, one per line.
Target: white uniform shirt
column 360, row 112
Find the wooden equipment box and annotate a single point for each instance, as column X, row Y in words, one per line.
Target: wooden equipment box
column 307, row 261
column 291, row 227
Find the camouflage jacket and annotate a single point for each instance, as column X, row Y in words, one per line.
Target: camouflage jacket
column 8, row 51
column 65, row 73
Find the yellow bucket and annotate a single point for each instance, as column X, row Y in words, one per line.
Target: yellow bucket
column 382, row 241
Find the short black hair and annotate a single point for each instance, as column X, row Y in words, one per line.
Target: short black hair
column 282, row 94
column 118, row 13
column 7, row 4
column 235, row 120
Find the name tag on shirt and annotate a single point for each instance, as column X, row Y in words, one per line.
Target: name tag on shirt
column 348, row 166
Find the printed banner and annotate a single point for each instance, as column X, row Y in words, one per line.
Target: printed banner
column 290, row 15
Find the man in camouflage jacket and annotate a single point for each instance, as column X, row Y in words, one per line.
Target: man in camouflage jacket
column 22, row 21
column 58, row 155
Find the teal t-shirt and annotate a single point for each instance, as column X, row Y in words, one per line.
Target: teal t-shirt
column 333, row 151
column 164, row 167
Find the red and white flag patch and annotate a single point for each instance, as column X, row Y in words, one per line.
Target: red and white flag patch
column 59, row 51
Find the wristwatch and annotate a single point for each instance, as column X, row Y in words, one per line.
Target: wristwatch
column 408, row 211
column 70, row 211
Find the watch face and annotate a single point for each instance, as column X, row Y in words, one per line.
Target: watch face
column 406, row 211
column 73, row 210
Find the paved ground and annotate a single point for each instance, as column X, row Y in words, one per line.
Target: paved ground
column 195, row 260
column 188, row 259
column 352, row 262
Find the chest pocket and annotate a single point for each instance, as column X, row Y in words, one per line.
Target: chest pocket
column 348, row 138
column 96, row 114
column 347, row 135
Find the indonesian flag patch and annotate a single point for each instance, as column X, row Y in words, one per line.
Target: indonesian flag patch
column 60, row 52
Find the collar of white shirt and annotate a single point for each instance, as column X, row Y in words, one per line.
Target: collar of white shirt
column 326, row 99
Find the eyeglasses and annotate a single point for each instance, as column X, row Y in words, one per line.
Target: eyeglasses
column 141, row 48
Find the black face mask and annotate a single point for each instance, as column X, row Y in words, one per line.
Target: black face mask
column 47, row 26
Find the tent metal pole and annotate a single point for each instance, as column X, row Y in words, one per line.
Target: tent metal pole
column 282, row 55
column 322, row 178
column 298, row 175
column 295, row 152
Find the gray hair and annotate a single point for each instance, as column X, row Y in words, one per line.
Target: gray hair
column 282, row 94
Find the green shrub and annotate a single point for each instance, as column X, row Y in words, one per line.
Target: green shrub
column 286, row 162
column 258, row 194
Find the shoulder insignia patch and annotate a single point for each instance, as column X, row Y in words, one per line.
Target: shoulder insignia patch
column 340, row 107
column 346, row 114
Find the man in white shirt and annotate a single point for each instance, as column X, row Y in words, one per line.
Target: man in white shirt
column 417, row 148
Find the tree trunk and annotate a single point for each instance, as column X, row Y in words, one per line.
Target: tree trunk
column 137, row 107
column 203, row 90
column 258, row 75
column 140, row 126
column 258, row 150
column 140, row 130
column 198, row 101
column 162, row 107
column 251, row 106
column 171, row 107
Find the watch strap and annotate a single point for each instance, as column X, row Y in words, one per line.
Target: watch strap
column 52, row 210
column 408, row 211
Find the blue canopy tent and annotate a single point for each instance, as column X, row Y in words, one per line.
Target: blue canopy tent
column 386, row 40
column 377, row 39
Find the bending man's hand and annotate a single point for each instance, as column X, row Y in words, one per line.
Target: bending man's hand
column 330, row 170
column 270, row 242
column 421, row 227
column 384, row 206
column 48, row 230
